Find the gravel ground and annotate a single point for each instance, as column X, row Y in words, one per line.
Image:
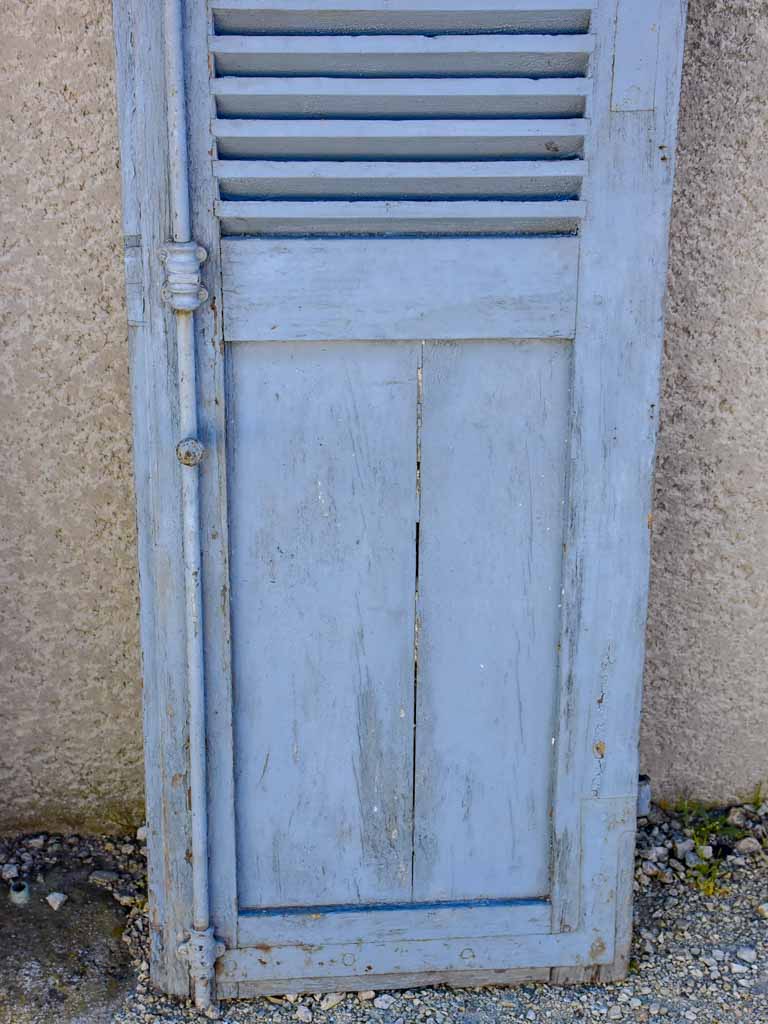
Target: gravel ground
column 700, row 952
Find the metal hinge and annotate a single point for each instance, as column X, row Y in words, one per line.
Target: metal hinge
column 201, row 951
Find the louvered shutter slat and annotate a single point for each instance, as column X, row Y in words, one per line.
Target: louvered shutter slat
column 510, row 179
column 364, row 218
column 517, row 56
column 237, row 16
column 416, row 139
column 452, row 85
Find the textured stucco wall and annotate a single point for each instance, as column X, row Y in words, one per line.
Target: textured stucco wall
column 705, row 730
column 70, row 729
column 70, row 692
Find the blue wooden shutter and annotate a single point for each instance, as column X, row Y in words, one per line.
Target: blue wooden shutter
column 436, row 235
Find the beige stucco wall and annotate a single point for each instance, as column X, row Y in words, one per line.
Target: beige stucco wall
column 70, row 727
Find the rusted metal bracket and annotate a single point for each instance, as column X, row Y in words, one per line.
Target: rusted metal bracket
column 201, row 951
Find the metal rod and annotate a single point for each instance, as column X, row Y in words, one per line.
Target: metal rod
column 183, row 292
column 190, row 503
column 178, row 157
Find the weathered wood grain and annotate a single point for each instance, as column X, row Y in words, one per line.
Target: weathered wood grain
column 454, row 979
column 398, row 218
column 322, row 521
column 521, row 56
column 350, row 289
column 400, row 97
column 144, row 148
column 402, row 921
column 418, row 139
column 237, row 16
column 638, row 37
column 336, row 179
column 213, row 497
column 614, row 419
column 309, row 488
column 493, row 457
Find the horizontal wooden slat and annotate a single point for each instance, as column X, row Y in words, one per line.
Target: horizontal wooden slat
column 400, row 97
column 300, row 16
column 365, row 288
column 382, row 924
column 339, row 960
column 516, row 56
column 452, row 218
column 412, row 139
column 384, row 179
column 456, row 979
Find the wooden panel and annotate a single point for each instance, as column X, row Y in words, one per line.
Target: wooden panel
column 443, row 139
column 322, row 505
column 279, row 968
column 520, row 56
column 493, row 464
column 399, row 921
column 365, row 289
column 236, row 16
column 400, row 97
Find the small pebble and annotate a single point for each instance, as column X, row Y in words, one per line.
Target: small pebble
column 683, row 847
column 747, row 954
column 737, row 817
column 762, row 911
column 365, row 996
column 748, row 845
column 9, row 872
column 103, row 877
column 384, row 1001
column 331, row 999
column 303, row 1013
column 55, row 900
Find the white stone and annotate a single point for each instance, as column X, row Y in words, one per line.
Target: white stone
column 737, row 817
column 365, row 996
column 615, row 1013
column 303, row 1013
column 762, row 911
column 747, row 954
column 141, row 834
column 55, row 900
column 384, row 1001
column 331, row 999
column 748, row 845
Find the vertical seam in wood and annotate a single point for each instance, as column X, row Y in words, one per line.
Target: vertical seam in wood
column 416, row 621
